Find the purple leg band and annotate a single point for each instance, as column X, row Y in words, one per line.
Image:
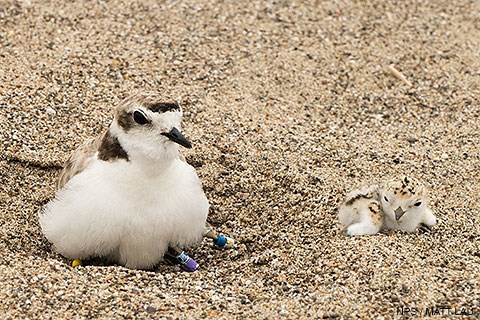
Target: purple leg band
column 187, row 263
column 191, row 265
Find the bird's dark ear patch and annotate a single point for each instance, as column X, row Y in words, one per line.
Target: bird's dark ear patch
column 162, row 107
column 110, row 149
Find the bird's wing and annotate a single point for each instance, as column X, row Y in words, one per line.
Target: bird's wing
column 79, row 160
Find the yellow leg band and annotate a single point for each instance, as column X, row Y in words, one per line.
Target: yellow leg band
column 76, row 263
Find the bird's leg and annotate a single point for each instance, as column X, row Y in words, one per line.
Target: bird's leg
column 182, row 258
column 218, row 239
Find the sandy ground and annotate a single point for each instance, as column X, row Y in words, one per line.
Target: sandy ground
column 289, row 104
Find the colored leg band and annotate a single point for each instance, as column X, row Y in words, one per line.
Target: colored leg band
column 221, row 241
column 187, row 263
column 182, row 257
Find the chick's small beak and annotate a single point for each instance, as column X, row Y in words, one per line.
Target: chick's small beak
column 399, row 212
column 177, row 137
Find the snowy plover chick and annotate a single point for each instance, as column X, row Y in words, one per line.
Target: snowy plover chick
column 399, row 204
column 129, row 195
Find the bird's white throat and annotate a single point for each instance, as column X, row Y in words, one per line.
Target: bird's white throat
column 152, row 153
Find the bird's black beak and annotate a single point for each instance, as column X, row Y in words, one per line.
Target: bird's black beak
column 399, row 212
column 177, row 137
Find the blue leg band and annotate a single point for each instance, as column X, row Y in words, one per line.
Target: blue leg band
column 221, row 241
column 182, row 258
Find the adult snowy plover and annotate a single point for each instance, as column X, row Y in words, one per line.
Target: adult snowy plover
column 399, row 204
column 129, row 195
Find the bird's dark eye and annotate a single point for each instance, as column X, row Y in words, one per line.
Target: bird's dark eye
column 385, row 198
column 418, row 204
column 140, row 117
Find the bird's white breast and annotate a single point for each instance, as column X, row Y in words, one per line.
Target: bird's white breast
column 126, row 212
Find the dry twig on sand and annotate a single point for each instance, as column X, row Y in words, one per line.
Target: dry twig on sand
column 397, row 74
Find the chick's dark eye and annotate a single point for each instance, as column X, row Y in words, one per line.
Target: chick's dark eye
column 140, row 117
column 418, row 204
column 385, row 198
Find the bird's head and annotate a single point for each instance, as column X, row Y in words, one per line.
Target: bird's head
column 149, row 125
column 403, row 198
